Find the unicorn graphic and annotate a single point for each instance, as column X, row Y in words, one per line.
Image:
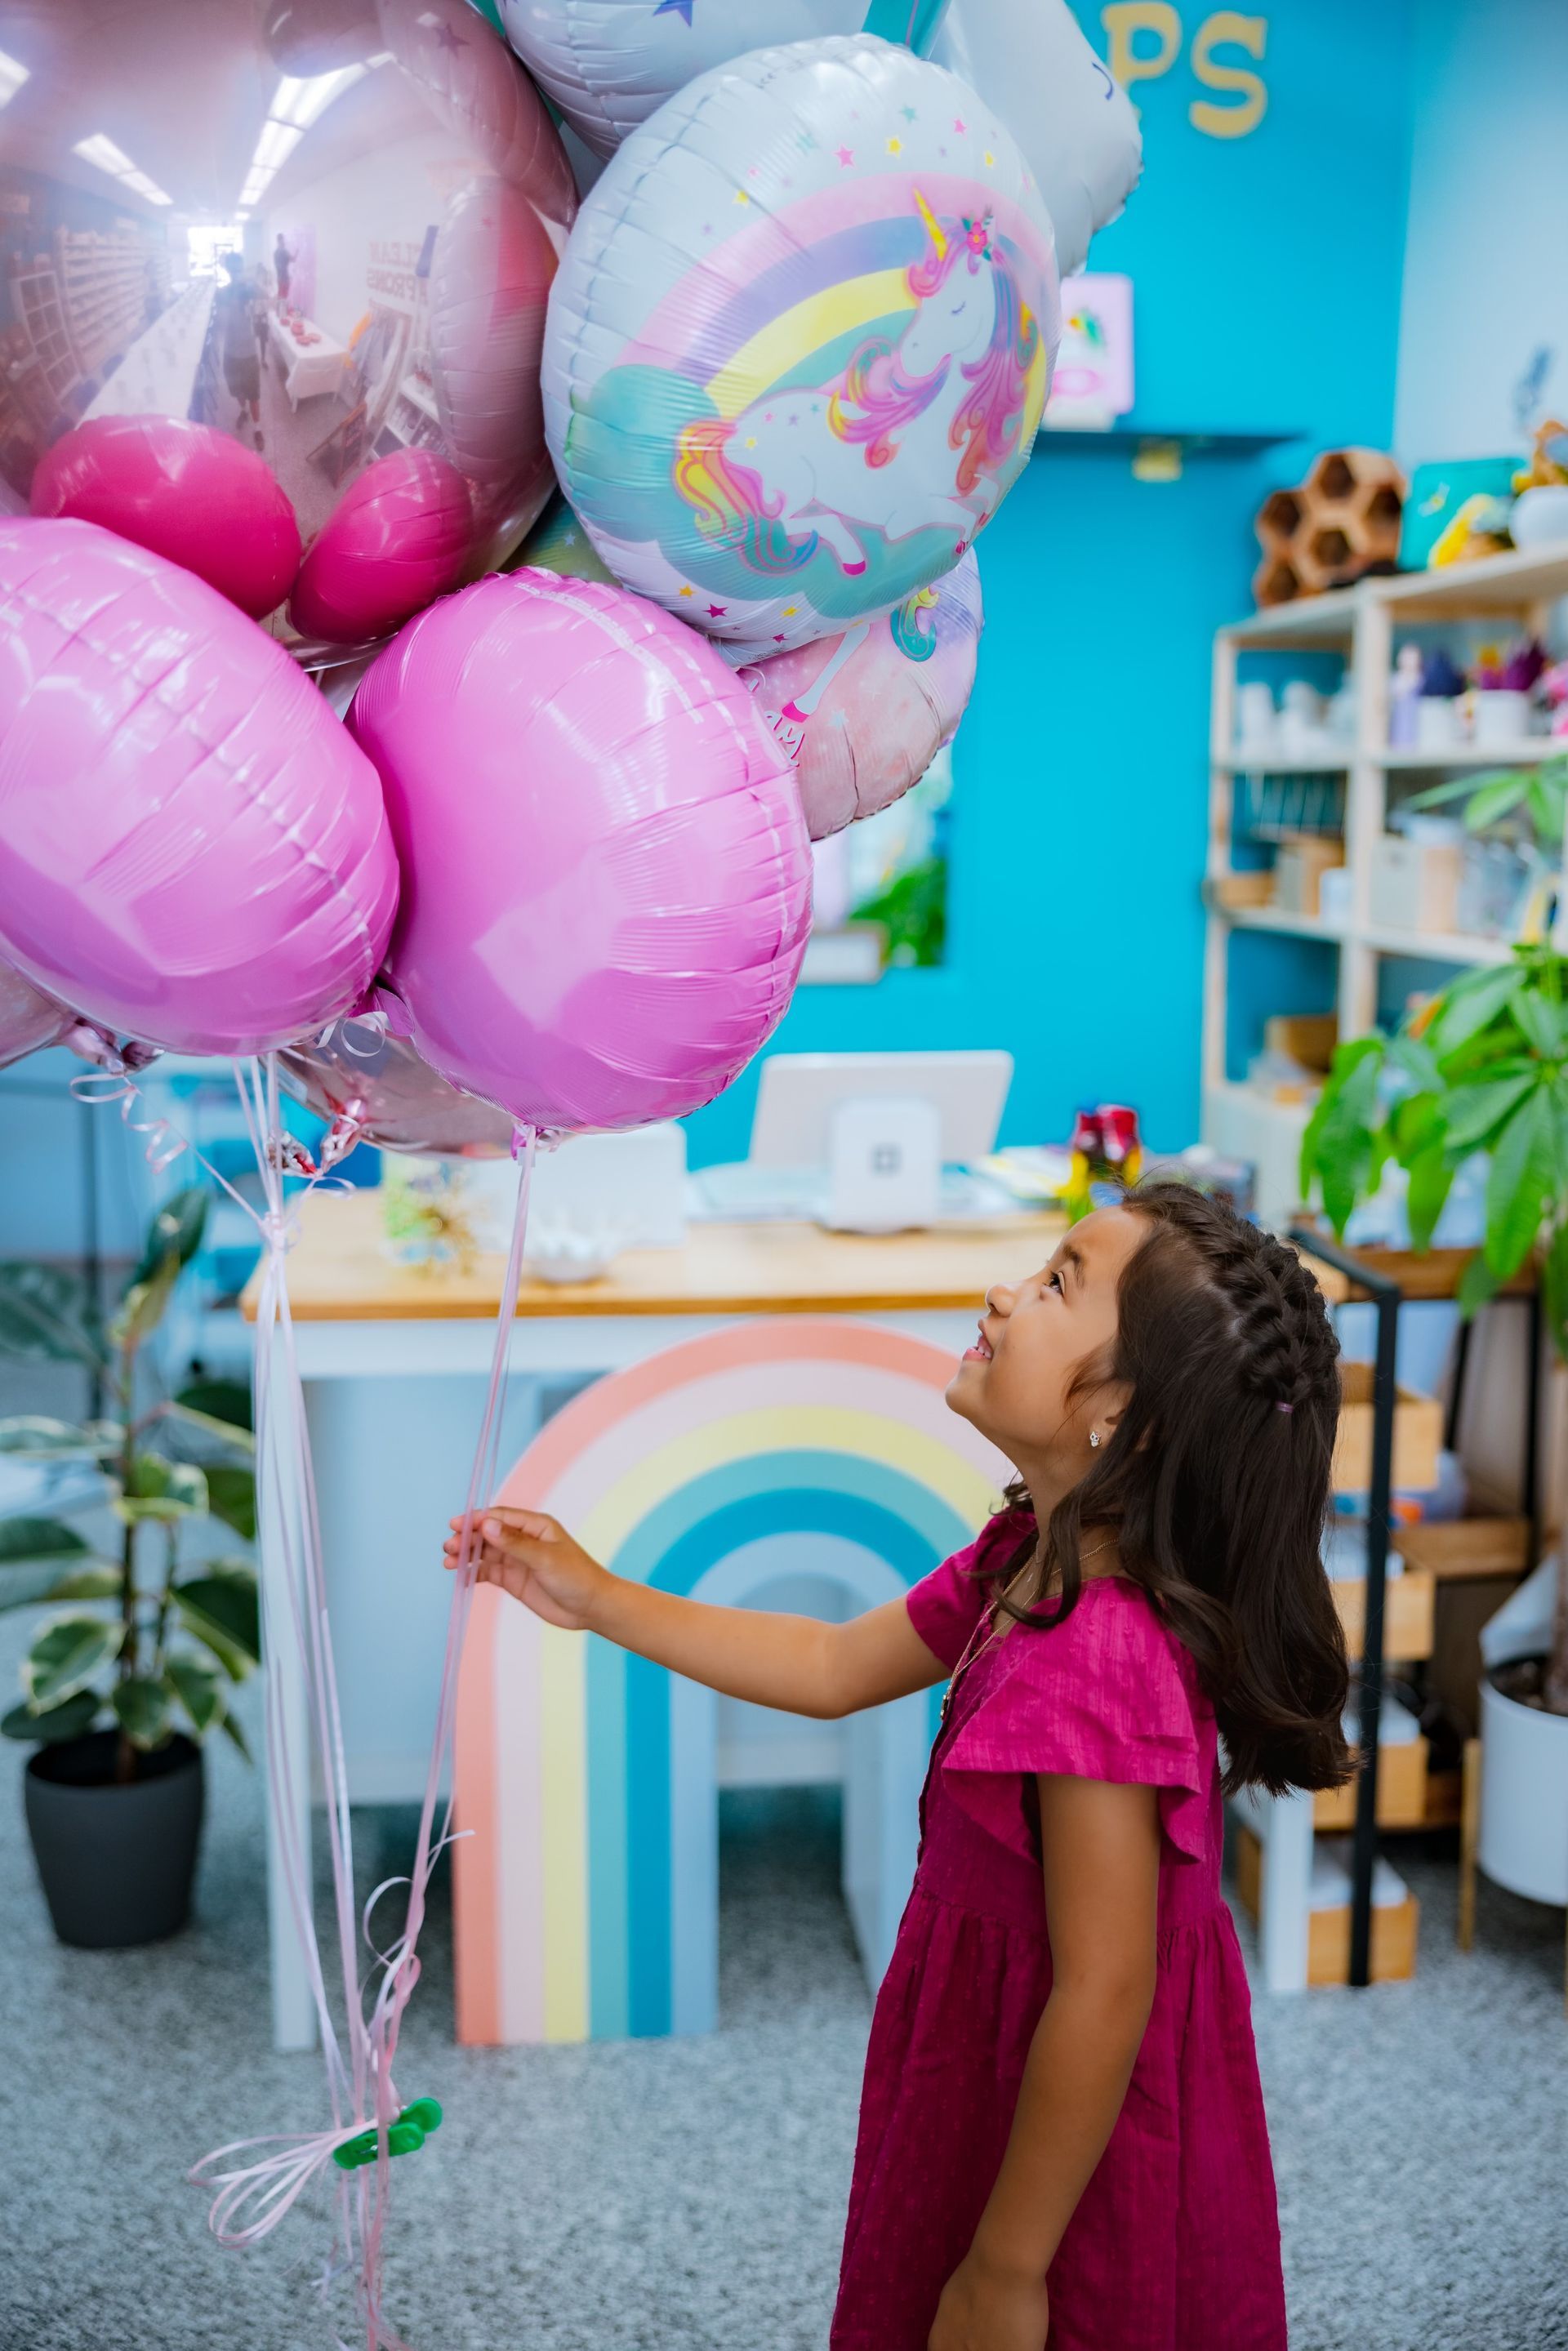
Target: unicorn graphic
column 875, row 449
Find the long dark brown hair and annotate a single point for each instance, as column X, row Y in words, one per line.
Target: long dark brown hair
column 1214, row 1484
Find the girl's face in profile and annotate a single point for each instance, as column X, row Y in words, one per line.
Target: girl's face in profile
column 1014, row 1384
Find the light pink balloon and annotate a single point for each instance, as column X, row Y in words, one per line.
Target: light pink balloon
column 489, row 288
column 471, row 81
column 184, row 491
column 607, row 876
column 192, row 852
column 400, row 537
column 374, row 1088
column 863, row 715
column 28, row 1019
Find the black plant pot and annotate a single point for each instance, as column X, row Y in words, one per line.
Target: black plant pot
column 115, row 1862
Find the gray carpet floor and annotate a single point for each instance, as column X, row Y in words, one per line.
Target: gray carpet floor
column 655, row 2196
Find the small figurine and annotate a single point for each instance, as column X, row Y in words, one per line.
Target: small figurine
column 1404, row 695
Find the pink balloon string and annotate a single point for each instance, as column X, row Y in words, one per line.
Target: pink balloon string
column 255, row 2195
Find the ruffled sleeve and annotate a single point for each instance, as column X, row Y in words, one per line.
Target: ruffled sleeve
column 1111, row 1694
column 945, row 1606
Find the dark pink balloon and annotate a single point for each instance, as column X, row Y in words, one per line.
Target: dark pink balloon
column 373, row 1088
column 401, row 537
column 192, row 852
column 607, row 878
column 183, row 490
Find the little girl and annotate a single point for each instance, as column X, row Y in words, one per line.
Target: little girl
column 1062, row 2128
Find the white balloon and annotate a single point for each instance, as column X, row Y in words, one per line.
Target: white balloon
column 609, row 64
column 1078, row 128
column 798, row 345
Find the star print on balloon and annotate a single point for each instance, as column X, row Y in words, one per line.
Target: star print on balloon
column 682, row 8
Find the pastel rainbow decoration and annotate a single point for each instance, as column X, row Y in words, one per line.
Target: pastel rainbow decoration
column 801, row 341
column 586, row 1880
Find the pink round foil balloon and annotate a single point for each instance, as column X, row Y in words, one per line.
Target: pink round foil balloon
column 345, row 139
column 863, row 715
column 192, row 851
column 184, row 491
column 28, row 1019
column 400, row 537
column 608, row 880
column 374, row 1088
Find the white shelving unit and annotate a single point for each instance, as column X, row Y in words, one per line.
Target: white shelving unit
column 1361, row 626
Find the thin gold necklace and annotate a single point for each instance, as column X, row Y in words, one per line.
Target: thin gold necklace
column 986, row 1623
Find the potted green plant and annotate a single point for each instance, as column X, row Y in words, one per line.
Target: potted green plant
column 133, row 1665
column 1480, row 1069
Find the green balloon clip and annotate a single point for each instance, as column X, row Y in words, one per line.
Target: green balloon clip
column 410, row 2131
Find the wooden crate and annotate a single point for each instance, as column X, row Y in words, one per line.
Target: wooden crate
column 1407, row 1613
column 1396, row 1927
column 1417, row 1435
column 1465, row 1549
column 1401, row 1792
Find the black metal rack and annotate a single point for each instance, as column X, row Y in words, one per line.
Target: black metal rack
column 1385, row 1295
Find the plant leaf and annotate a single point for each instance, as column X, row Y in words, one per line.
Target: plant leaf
column 30, row 1436
column 231, row 1497
column 175, row 1232
column 224, row 1612
column 1414, row 1057
column 142, row 1709
column 223, row 1402
column 1414, row 1124
column 162, row 1490
column 141, row 1308
column 199, row 1690
column 1493, row 797
column 1473, row 1113
column 1478, row 1286
column 227, row 1723
column 1346, row 1144
column 1431, row 1180
column 34, row 1538
column 1470, row 1003
column 65, row 1655
column 1554, row 1276
column 1458, row 787
column 1520, row 1182
column 46, row 1315
column 103, row 1580
column 1541, row 1021
column 68, row 1720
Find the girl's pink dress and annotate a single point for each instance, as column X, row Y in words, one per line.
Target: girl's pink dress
column 1175, row 2243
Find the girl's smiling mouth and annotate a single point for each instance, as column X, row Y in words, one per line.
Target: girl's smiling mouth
column 982, row 1349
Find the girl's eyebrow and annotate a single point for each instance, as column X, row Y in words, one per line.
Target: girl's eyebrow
column 1074, row 1255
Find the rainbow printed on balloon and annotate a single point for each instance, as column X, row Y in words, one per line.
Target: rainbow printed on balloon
column 785, row 394
column 587, row 1887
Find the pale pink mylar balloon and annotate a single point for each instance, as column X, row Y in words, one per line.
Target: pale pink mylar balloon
column 398, row 538
column 184, row 490
column 374, row 1088
column 606, row 881
column 863, row 715
column 192, row 851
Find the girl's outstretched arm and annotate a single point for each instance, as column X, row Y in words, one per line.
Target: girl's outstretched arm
column 795, row 1663
column 1102, row 1845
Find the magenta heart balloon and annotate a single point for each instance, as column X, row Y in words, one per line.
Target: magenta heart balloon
column 863, row 715
column 193, row 851
column 374, row 1088
column 607, row 876
column 184, row 491
column 400, row 537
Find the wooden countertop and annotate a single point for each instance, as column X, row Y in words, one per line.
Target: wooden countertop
column 339, row 1271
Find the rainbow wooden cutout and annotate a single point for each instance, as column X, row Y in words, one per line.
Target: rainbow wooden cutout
column 586, row 1886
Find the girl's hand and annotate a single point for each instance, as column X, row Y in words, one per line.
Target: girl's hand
column 987, row 2309
column 533, row 1558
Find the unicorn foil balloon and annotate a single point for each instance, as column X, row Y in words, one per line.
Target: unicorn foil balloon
column 799, row 345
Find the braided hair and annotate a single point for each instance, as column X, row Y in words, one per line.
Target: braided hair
column 1215, row 1483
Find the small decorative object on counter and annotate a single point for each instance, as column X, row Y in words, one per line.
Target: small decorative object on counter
column 1106, row 1151
column 1342, row 522
column 1436, row 494
column 425, row 1213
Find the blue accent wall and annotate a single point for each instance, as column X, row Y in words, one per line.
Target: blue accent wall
column 1266, row 274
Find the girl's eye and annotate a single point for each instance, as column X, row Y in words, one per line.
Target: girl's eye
column 1053, row 1281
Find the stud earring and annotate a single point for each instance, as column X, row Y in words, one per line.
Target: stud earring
column 1094, row 1436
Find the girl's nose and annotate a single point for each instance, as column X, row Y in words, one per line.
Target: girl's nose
column 998, row 1299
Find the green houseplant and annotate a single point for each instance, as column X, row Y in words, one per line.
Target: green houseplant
column 1481, row 1067
column 139, row 1643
